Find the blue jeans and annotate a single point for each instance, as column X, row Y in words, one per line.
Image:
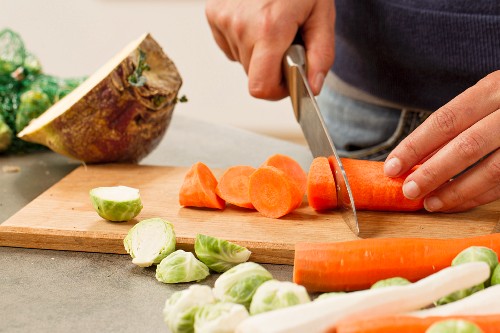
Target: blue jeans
column 362, row 130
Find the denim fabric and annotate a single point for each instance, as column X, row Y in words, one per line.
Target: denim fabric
column 362, row 130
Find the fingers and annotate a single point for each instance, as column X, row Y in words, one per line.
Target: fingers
column 318, row 34
column 445, row 124
column 460, row 153
column 481, row 199
column 476, row 185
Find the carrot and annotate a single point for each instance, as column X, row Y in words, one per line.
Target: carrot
column 321, row 189
column 357, row 264
column 291, row 167
column 198, row 188
column 273, row 192
column 372, row 190
column 233, row 186
column 410, row 324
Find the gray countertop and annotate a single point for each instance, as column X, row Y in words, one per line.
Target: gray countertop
column 63, row 291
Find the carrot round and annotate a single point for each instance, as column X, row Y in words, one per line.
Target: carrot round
column 291, row 167
column 198, row 188
column 372, row 190
column 357, row 264
column 233, row 186
column 321, row 189
column 409, row 324
column 273, row 193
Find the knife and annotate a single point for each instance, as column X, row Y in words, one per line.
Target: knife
column 313, row 126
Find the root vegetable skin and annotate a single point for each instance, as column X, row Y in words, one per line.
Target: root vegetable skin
column 198, row 188
column 233, row 186
column 357, row 264
column 106, row 118
column 372, row 190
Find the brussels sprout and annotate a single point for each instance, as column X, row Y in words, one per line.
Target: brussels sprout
column 181, row 307
column 32, row 104
column 454, row 326
column 395, row 281
column 12, row 51
column 330, row 294
column 477, row 253
column 218, row 254
column 222, row 317
column 495, row 277
column 471, row 254
column 181, row 266
column 5, row 135
column 32, row 64
column 116, row 203
column 56, row 88
column 238, row 284
column 274, row 294
column 149, row 241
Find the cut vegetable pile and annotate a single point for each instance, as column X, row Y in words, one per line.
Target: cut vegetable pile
column 278, row 186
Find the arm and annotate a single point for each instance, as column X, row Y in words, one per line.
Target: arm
column 257, row 34
column 462, row 132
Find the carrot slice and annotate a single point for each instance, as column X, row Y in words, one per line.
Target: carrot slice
column 233, row 186
column 291, row 167
column 198, row 188
column 372, row 190
column 357, row 264
column 321, row 189
column 408, row 324
column 273, row 192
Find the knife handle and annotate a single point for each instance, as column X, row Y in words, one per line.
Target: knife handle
column 294, row 64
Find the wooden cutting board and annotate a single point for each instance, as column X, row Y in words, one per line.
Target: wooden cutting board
column 62, row 218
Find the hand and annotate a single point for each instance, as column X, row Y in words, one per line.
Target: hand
column 257, row 34
column 455, row 137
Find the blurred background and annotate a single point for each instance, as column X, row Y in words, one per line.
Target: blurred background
column 74, row 38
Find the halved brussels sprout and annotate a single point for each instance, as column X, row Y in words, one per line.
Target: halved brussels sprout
column 222, row 317
column 149, row 241
column 330, row 294
column 181, row 307
column 218, row 254
column 238, row 284
column 116, row 203
column 274, row 294
column 454, row 326
column 395, row 281
column 181, row 266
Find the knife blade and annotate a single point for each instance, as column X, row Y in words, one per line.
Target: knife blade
column 313, row 126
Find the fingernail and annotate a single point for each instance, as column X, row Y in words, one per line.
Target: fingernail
column 411, row 190
column 392, row 167
column 433, row 204
column 318, row 81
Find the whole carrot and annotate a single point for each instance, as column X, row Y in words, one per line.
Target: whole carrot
column 372, row 190
column 409, row 324
column 357, row 264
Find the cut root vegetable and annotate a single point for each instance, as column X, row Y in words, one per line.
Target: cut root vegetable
column 198, row 188
column 357, row 264
column 120, row 113
column 233, row 186
column 324, row 314
column 273, row 192
column 321, row 189
column 372, row 190
column 291, row 167
column 116, row 203
column 407, row 324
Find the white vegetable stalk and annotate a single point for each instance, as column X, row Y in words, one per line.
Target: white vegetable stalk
column 323, row 314
column 484, row 302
